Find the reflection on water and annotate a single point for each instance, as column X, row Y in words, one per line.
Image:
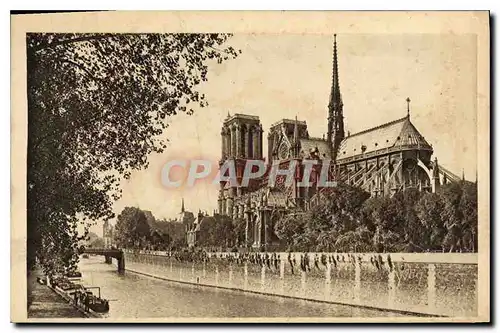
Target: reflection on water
column 136, row 296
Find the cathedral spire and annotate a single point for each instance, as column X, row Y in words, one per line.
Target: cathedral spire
column 335, row 107
column 296, row 138
column 335, row 98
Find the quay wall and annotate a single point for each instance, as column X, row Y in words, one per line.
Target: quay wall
column 440, row 284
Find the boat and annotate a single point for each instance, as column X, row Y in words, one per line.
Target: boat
column 67, row 287
column 99, row 305
column 79, row 293
column 74, row 276
column 96, row 303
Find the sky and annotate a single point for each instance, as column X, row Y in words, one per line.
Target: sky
column 283, row 76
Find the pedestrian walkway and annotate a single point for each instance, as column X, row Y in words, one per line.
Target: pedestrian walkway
column 45, row 303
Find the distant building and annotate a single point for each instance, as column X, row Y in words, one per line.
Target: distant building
column 194, row 234
column 107, row 234
column 185, row 217
column 188, row 220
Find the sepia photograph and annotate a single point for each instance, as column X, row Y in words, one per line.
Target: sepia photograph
column 250, row 167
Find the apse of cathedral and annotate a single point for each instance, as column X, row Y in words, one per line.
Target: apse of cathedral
column 381, row 160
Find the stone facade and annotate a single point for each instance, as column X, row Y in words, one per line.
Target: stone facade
column 382, row 160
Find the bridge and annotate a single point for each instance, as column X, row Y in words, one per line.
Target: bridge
column 108, row 255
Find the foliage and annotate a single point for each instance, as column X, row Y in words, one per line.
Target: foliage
column 176, row 232
column 320, row 228
column 216, row 231
column 239, row 227
column 290, row 229
column 97, row 105
column 97, row 243
column 139, row 229
column 132, row 228
column 410, row 221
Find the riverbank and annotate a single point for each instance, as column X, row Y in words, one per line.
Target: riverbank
column 44, row 302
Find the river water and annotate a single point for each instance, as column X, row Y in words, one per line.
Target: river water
column 137, row 296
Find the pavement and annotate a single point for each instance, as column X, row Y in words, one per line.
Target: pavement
column 43, row 302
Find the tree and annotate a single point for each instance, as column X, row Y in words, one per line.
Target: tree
column 468, row 208
column 358, row 240
column 289, row 226
column 132, row 229
column 97, row 243
column 432, row 230
column 97, row 105
column 216, row 231
column 179, row 243
column 239, row 227
column 176, row 232
column 320, row 228
column 459, row 215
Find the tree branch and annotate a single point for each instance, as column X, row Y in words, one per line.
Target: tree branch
column 82, row 68
column 70, row 41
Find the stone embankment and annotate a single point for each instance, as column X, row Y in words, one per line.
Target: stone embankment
column 430, row 284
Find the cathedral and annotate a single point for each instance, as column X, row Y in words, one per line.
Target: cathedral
column 381, row 160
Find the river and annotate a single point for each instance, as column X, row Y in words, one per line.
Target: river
column 136, row 296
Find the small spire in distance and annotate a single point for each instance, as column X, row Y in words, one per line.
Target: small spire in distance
column 182, row 207
column 408, row 100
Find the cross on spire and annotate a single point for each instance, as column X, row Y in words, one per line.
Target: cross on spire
column 408, row 100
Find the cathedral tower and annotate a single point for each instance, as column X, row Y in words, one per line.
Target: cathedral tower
column 241, row 137
column 241, row 141
column 335, row 133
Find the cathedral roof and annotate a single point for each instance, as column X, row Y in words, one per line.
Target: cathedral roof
column 397, row 133
column 308, row 145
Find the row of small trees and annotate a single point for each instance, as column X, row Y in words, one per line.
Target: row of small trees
column 348, row 220
column 137, row 229
column 409, row 221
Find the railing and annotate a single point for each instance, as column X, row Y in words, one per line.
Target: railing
column 381, row 152
column 103, row 251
